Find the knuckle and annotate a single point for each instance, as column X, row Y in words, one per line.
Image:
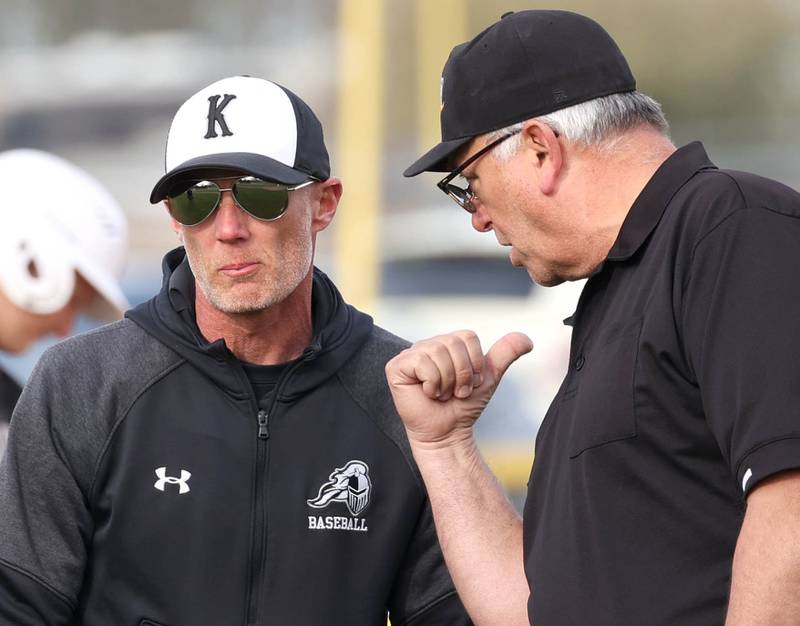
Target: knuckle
column 467, row 335
column 454, row 341
column 425, row 345
column 439, row 349
column 464, row 373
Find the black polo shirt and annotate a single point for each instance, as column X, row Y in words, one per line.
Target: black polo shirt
column 682, row 394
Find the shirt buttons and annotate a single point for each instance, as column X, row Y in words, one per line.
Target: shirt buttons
column 578, row 363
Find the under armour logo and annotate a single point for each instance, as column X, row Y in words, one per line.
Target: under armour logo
column 215, row 117
column 163, row 479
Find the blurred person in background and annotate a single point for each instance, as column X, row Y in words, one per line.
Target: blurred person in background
column 62, row 247
column 237, row 458
column 665, row 488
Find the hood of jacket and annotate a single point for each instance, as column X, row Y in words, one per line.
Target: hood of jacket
column 339, row 331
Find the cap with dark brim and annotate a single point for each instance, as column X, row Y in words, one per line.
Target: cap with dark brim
column 525, row 65
column 437, row 159
column 253, row 164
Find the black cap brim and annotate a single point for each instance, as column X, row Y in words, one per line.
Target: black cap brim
column 253, row 164
column 437, row 159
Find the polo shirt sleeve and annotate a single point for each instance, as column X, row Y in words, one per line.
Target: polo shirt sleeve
column 741, row 317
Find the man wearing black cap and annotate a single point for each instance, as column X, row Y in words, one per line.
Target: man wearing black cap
column 229, row 453
column 665, row 489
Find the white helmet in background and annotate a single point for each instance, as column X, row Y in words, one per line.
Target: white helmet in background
column 55, row 220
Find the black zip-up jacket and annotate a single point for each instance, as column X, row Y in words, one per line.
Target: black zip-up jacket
column 9, row 393
column 142, row 485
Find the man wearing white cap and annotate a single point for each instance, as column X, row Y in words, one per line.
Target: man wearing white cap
column 238, row 458
column 62, row 246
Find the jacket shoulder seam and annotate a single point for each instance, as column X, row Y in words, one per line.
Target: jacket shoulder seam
column 41, row 582
column 382, row 336
column 149, row 383
column 417, row 479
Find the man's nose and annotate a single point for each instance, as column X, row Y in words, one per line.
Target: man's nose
column 230, row 221
column 480, row 219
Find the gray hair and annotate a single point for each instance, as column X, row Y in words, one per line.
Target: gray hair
column 596, row 123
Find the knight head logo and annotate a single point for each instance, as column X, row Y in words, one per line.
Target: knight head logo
column 349, row 484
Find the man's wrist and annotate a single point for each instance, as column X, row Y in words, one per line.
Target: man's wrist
column 457, row 449
column 459, row 440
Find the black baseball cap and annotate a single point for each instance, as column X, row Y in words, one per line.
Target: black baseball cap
column 527, row 64
column 246, row 124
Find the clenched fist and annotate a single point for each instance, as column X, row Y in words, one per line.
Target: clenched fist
column 441, row 385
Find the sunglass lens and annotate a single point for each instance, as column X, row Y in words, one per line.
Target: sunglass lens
column 195, row 204
column 262, row 199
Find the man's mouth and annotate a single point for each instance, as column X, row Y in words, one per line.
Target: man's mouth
column 239, row 269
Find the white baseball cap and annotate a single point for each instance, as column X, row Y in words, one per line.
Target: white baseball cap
column 246, row 124
column 55, row 220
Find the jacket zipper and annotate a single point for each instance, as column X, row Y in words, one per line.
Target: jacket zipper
column 263, row 420
column 259, row 551
column 259, row 517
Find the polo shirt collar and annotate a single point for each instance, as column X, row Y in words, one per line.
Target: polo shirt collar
column 649, row 206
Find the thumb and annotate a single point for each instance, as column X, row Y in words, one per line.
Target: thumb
column 505, row 351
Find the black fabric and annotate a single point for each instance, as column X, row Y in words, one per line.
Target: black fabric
column 682, row 395
column 149, row 485
column 448, row 610
column 526, row 64
column 25, row 601
column 9, row 394
column 311, row 155
column 423, row 571
column 263, row 379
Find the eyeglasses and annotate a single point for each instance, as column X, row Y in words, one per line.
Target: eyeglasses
column 464, row 196
column 262, row 199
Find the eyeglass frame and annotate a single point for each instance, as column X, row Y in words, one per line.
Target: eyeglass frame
column 235, row 180
column 446, row 187
column 236, row 201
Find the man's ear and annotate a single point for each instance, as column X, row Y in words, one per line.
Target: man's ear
column 176, row 226
column 328, row 194
column 548, row 154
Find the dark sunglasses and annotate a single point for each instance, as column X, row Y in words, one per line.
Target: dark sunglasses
column 464, row 196
column 262, row 199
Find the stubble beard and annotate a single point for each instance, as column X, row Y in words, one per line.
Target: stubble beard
column 288, row 272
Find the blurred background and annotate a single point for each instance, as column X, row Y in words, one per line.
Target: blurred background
column 97, row 82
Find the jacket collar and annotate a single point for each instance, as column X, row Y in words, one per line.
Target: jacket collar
column 339, row 332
